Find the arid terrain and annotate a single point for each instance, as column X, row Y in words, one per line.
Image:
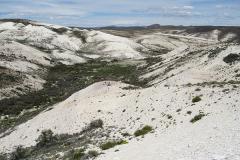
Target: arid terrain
column 119, row 93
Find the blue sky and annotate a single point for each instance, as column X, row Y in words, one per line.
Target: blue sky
column 89, row 13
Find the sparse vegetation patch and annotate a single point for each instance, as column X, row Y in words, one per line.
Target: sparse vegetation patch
column 78, row 154
column 92, row 153
column 19, row 153
column 112, row 144
column 146, row 129
column 46, row 138
column 197, row 117
column 64, row 80
column 231, row 58
column 73, row 146
column 196, row 99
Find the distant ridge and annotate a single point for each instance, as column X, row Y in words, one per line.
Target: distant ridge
column 23, row 21
column 154, row 26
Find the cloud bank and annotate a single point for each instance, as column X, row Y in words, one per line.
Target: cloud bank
column 89, row 13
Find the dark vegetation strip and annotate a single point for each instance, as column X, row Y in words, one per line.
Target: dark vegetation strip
column 215, row 83
column 62, row 81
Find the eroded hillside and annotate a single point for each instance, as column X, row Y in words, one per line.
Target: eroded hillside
column 68, row 93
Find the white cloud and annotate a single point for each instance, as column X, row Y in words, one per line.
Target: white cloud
column 219, row 6
column 124, row 22
column 188, row 7
column 175, row 11
column 227, row 7
column 120, row 12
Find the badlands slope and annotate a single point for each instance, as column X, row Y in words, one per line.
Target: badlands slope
column 175, row 68
column 31, row 48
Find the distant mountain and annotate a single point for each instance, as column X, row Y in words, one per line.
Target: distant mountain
column 154, row 26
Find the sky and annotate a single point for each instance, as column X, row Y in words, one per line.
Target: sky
column 96, row 13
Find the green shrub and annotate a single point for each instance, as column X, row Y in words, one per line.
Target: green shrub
column 112, row 144
column 169, row 116
column 93, row 125
column 178, row 110
column 196, row 99
column 3, row 156
column 19, row 153
column 146, row 129
column 46, row 138
column 197, row 117
column 78, row 154
column 189, row 112
column 126, row 134
column 92, row 153
column 96, row 124
column 197, row 89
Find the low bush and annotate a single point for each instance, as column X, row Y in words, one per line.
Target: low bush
column 112, row 144
column 93, row 125
column 92, row 153
column 126, row 134
column 189, row 112
column 169, row 116
column 197, row 89
column 196, row 99
column 46, row 138
column 231, row 58
column 96, row 124
column 197, row 117
column 78, row 154
column 19, row 153
column 3, row 156
column 146, row 129
column 178, row 110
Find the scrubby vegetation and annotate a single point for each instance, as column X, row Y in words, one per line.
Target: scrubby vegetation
column 96, row 124
column 189, row 112
column 112, row 144
column 146, row 129
column 214, row 52
column 63, row 81
column 197, row 89
column 73, row 146
column 19, row 153
column 46, row 138
column 80, row 34
column 92, row 153
column 196, row 99
column 93, row 125
column 231, row 58
column 197, row 117
column 126, row 134
column 78, row 154
column 161, row 109
column 7, row 79
column 60, row 30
